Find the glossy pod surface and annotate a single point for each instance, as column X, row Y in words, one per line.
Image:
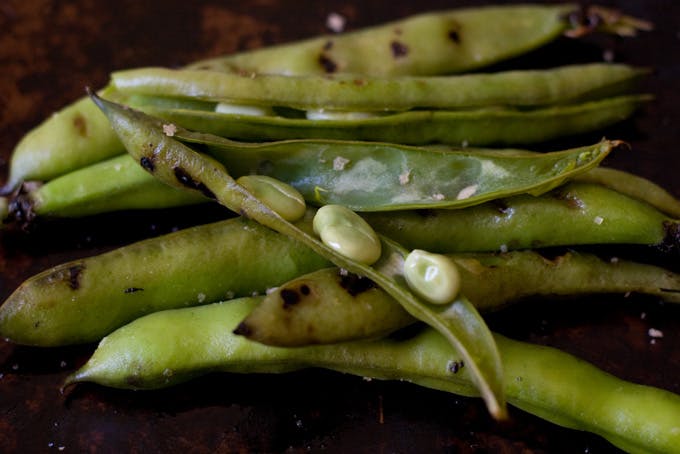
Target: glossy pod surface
column 476, row 127
column 322, row 306
column 362, row 93
column 383, row 177
column 170, row 347
column 431, row 43
column 68, row 304
column 588, row 214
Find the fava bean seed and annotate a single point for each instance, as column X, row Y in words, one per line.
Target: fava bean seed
column 346, row 232
column 277, row 195
column 432, row 276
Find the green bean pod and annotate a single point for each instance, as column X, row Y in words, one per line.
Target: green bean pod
column 114, row 184
column 439, row 42
column 526, row 88
column 170, row 347
column 322, row 307
column 73, row 137
column 575, row 214
column 178, row 165
column 476, row 127
column 405, row 176
column 634, row 186
column 83, row 300
column 385, row 177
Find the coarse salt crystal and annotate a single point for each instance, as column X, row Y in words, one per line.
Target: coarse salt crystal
column 467, row 192
column 169, row 129
column 655, row 333
column 598, row 220
column 438, row 196
column 336, row 22
column 405, row 177
column 339, row 163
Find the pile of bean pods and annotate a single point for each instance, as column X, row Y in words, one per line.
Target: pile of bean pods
column 363, row 204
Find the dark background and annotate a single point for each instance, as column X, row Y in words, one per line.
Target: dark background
column 51, row 50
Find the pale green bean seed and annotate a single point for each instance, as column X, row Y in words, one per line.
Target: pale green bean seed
column 243, row 109
column 343, row 230
column 322, row 114
column 432, row 276
column 277, row 195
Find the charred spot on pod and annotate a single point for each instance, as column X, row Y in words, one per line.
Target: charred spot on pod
column 328, row 45
column 187, row 181
column 243, row 329
column 304, row 289
column 399, row 49
column 134, row 380
column 21, row 207
column 74, row 273
column 572, row 201
column 265, row 167
column 80, row 124
column 454, row 35
column 354, row 284
column 328, row 64
column 133, row 290
column 407, row 332
column 426, row 213
column 501, row 206
column 671, row 240
column 456, row 366
column 147, row 163
column 289, row 297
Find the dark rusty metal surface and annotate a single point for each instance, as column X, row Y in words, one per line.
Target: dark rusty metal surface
column 51, row 50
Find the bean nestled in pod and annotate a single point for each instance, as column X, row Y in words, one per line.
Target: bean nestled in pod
column 282, row 198
column 347, row 233
column 432, row 276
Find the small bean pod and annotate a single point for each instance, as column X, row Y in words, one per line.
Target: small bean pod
column 170, row 347
column 441, row 42
column 587, row 213
column 488, row 126
column 83, row 300
column 361, row 93
column 367, row 176
column 321, row 307
column 114, row 184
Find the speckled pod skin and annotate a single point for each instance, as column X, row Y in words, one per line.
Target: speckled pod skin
column 170, row 347
column 83, row 300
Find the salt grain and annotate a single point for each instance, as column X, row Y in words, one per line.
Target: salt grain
column 405, row 177
column 655, row 333
column 339, row 163
column 169, row 129
column 336, row 22
column 467, row 192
